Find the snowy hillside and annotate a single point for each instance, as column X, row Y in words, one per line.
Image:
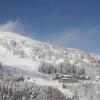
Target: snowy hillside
column 17, row 50
column 66, row 69
column 31, row 49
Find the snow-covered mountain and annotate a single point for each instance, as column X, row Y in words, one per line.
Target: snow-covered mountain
column 17, row 50
column 40, row 61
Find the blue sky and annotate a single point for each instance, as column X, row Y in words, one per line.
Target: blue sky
column 69, row 23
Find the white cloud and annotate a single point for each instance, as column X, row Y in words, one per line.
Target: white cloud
column 66, row 38
column 12, row 26
column 9, row 26
column 18, row 27
column 75, row 37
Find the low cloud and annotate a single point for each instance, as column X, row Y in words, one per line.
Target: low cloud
column 10, row 26
column 77, row 38
column 15, row 26
column 66, row 37
column 18, row 27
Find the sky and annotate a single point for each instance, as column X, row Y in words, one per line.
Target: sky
column 68, row 23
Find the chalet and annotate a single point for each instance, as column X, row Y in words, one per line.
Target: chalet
column 56, row 77
column 67, row 76
column 65, row 80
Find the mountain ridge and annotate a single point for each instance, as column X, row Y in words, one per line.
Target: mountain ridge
column 70, row 71
column 33, row 52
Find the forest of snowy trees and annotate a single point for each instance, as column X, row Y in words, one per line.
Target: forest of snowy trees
column 22, row 90
column 14, row 89
column 61, row 68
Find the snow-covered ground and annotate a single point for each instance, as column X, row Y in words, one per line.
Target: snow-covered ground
column 7, row 58
column 26, row 54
